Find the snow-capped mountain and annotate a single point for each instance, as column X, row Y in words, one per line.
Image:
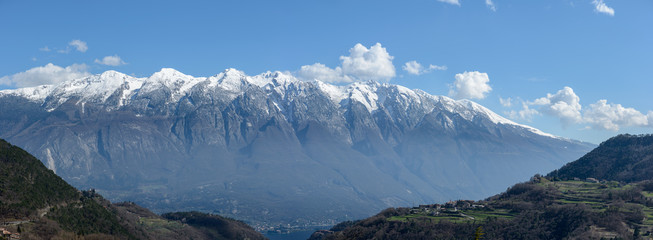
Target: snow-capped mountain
column 271, row 148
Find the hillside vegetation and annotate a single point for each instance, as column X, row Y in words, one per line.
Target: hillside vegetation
column 607, row 194
column 627, row 158
column 37, row 204
column 540, row 209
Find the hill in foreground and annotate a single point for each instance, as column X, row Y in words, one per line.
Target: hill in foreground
column 37, row 204
column 626, row 158
column 544, row 208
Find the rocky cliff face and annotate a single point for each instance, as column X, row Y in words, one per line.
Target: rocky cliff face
column 271, row 148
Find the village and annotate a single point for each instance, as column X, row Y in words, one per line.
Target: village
column 7, row 235
column 451, row 207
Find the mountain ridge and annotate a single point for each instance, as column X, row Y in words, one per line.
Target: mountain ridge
column 230, row 143
column 625, row 158
column 229, row 80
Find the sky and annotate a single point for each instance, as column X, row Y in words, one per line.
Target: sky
column 579, row 69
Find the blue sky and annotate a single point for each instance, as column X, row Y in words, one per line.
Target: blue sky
column 554, row 61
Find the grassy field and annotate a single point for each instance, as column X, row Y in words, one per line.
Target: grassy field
column 467, row 215
column 160, row 225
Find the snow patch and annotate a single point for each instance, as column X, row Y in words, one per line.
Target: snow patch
column 232, row 82
column 365, row 94
column 36, row 94
column 50, row 160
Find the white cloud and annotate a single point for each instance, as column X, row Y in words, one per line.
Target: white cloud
column 608, row 116
column 362, row 64
column 436, row 67
column 470, row 85
column 505, row 102
column 454, row 2
column 490, row 5
column 565, row 104
column 415, row 68
column 48, row 74
column 525, row 113
column 599, row 6
column 374, row 63
column 323, row 73
column 79, row 45
column 111, row 61
column 45, row 49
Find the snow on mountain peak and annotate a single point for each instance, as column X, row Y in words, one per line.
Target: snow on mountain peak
column 365, row 93
column 373, row 95
column 36, row 94
column 334, row 92
column 94, row 88
column 168, row 73
column 178, row 83
column 230, row 79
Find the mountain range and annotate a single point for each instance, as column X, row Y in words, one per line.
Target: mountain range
column 272, row 149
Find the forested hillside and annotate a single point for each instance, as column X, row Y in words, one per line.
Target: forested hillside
column 35, row 203
column 606, row 194
column 626, row 158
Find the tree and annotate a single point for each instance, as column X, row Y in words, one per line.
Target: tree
column 478, row 234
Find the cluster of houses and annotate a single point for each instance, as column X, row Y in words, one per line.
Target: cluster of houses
column 449, row 207
column 6, row 234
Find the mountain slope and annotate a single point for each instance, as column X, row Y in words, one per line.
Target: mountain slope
column 40, row 205
column 625, row 158
column 25, row 184
column 535, row 210
column 271, row 148
column 543, row 208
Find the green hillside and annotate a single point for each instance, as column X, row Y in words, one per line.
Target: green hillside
column 569, row 203
column 540, row 209
column 35, row 203
column 626, row 158
column 26, row 185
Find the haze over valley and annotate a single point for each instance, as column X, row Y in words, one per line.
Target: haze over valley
column 176, row 118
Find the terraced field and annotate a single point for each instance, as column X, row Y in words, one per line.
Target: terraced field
column 597, row 197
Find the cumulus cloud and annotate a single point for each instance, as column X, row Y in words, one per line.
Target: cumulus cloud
column 470, row 85
column 454, row 2
column 490, row 5
column 505, row 102
column 48, row 74
column 415, row 68
column 79, row 45
column 608, row 116
column 526, row 113
column 599, row 6
column 111, row 61
column 362, row 64
column 565, row 104
column 374, row 63
column 323, row 73
column 45, row 49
